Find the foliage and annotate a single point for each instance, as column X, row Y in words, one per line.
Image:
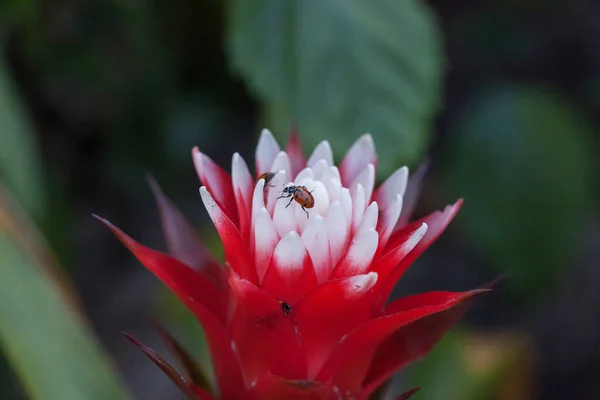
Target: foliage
column 42, row 332
column 343, row 68
column 521, row 156
column 20, row 165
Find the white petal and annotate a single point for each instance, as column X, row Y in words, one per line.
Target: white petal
column 369, row 219
column 285, row 218
column 333, row 188
column 337, row 231
column 388, row 220
column 316, row 243
column 366, row 178
column 242, row 185
column 320, row 168
column 331, row 180
column 396, row 254
column 290, row 252
column 266, row 151
column 358, row 156
column 282, row 162
column 393, row 186
column 331, row 173
column 359, row 284
column 214, row 211
column 304, row 174
column 241, row 178
column 258, row 198
column 236, row 249
column 321, row 152
column 305, row 181
column 358, row 205
column 321, row 196
column 346, row 201
column 274, row 190
column 414, row 239
column 361, row 252
column 334, row 171
column 265, row 240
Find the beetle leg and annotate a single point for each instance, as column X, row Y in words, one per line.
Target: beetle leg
column 305, row 212
column 288, row 204
column 283, row 196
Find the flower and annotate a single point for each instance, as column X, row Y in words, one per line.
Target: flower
column 299, row 310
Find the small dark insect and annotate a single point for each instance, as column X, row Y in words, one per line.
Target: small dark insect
column 286, row 308
column 267, row 176
column 301, row 195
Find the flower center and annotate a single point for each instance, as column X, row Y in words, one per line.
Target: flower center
column 315, row 192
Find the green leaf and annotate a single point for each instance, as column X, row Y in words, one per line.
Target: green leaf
column 472, row 366
column 440, row 374
column 522, row 158
column 17, row 11
column 42, row 333
column 20, row 166
column 342, row 68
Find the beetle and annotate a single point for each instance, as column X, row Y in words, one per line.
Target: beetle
column 286, row 308
column 268, row 177
column 301, row 195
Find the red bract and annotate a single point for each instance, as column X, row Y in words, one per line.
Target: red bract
column 299, row 309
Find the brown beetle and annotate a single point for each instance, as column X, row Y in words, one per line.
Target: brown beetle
column 301, row 195
column 268, row 177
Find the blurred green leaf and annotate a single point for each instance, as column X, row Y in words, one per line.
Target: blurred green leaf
column 16, row 11
column 440, row 374
column 521, row 158
column 342, row 68
column 8, row 385
column 471, row 366
column 45, row 339
column 20, row 165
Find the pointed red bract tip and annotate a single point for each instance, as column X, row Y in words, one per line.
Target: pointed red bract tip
column 192, row 370
column 412, row 193
column 406, row 395
column 183, row 241
column 294, row 151
column 202, row 299
column 416, row 339
column 189, row 285
column 217, row 181
column 437, row 222
column 161, row 363
column 495, row 282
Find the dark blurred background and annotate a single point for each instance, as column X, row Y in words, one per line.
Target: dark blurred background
column 96, row 95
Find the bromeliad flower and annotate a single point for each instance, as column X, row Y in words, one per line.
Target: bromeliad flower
column 313, row 251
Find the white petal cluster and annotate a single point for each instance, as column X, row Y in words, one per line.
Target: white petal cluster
column 343, row 222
